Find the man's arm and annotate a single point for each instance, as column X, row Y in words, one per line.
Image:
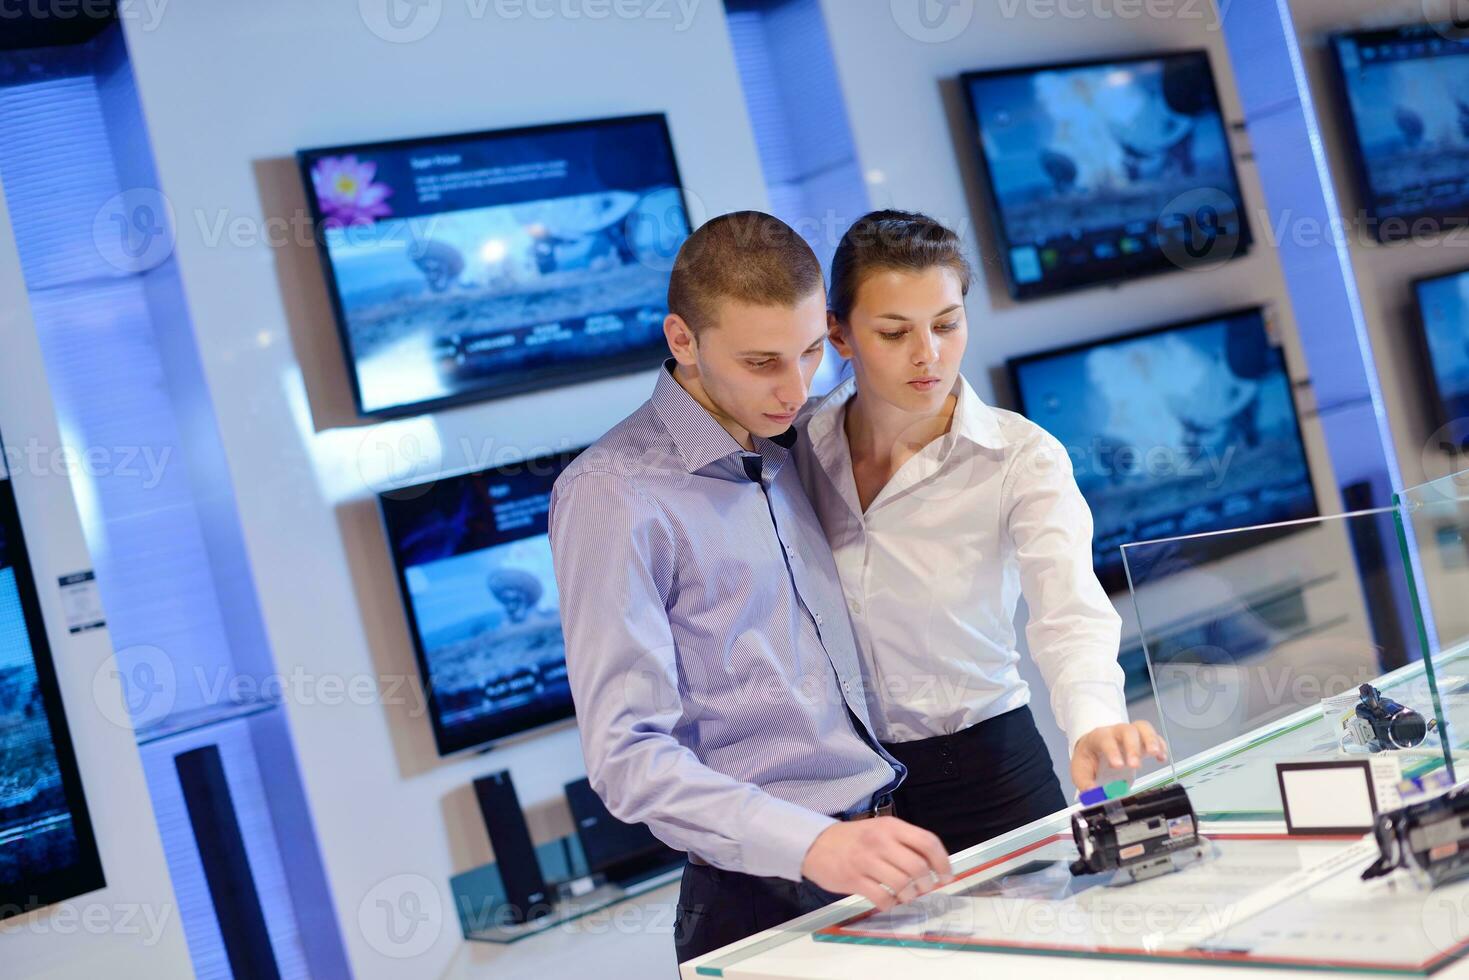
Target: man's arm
column 613, row 552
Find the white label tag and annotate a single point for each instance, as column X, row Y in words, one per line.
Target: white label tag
column 81, row 602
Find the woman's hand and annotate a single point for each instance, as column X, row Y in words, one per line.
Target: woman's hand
column 1119, row 746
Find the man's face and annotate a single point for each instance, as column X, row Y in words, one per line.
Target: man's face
column 756, row 362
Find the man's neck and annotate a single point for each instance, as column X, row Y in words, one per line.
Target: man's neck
column 690, row 382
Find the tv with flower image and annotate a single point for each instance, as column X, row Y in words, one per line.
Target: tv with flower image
column 487, row 264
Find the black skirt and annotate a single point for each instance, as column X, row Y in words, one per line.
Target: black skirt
column 978, row 783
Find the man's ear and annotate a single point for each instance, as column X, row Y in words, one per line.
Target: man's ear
column 682, row 343
column 837, row 336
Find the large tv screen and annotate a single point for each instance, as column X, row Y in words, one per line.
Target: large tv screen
column 48, row 852
column 1103, row 171
column 1408, row 120
column 474, row 565
column 487, row 264
column 1443, row 316
column 1176, row 430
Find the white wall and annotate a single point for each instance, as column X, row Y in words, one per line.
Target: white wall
column 131, row 928
column 229, row 93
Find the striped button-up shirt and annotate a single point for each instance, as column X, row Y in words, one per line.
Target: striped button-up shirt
column 718, row 687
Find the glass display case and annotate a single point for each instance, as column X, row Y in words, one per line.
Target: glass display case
column 1256, row 646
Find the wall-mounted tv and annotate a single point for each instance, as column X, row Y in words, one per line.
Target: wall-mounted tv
column 474, row 566
column 1175, row 430
column 488, row 264
column 1103, row 171
column 48, row 852
column 1407, row 96
column 1443, row 321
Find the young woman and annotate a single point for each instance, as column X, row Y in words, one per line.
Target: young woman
column 942, row 512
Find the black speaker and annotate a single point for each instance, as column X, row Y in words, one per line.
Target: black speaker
column 226, row 866
column 525, row 889
column 624, row 852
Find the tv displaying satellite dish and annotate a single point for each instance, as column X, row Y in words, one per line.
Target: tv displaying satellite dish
column 473, row 561
column 1175, row 430
column 48, row 852
column 1407, row 95
column 1103, row 171
column 489, row 264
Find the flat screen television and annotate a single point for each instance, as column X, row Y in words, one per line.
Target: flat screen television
column 488, row 264
column 1407, row 121
column 1103, row 171
column 48, row 852
column 1175, row 430
column 473, row 561
column 1443, row 324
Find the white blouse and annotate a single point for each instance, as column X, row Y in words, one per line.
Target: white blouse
column 932, row 573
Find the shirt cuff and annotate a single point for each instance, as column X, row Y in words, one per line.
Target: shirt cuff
column 777, row 838
column 1088, row 712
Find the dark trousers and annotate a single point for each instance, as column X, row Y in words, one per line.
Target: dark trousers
column 978, row 783
column 717, row 907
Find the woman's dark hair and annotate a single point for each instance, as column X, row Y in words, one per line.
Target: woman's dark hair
column 905, row 241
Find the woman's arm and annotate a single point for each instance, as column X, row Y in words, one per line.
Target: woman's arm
column 1073, row 632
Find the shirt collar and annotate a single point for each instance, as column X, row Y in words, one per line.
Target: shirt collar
column 699, row 438
column 976, row 421
column 973, row 419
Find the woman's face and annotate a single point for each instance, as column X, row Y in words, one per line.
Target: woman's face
column 905, row 337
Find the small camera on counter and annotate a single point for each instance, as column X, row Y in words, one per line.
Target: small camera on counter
column 1429, row 839
column 1138, row 836
column 1379, row 723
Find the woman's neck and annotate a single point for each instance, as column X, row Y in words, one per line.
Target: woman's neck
column 878, row 432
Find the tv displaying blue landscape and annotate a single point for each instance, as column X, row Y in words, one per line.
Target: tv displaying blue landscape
column 473, row 561
column 1104, row 171
column 1443, row 310
column 1407, row 95
column 487, row 264
column 48, row 851
column 1173, row 431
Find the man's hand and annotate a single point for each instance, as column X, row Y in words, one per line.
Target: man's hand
column 1120, row 746
column 885, row 860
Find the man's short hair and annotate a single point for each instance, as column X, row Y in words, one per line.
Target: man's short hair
column 747, row 256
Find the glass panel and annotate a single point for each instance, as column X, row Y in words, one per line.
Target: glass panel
column 1432, row 520
column 1242, row 635
column 1258, row 641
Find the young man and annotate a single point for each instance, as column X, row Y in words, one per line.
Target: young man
column 717, row 683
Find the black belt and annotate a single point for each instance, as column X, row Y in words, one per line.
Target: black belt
column 881, row 806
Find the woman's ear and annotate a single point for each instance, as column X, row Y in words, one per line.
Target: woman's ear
column 837, row 334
